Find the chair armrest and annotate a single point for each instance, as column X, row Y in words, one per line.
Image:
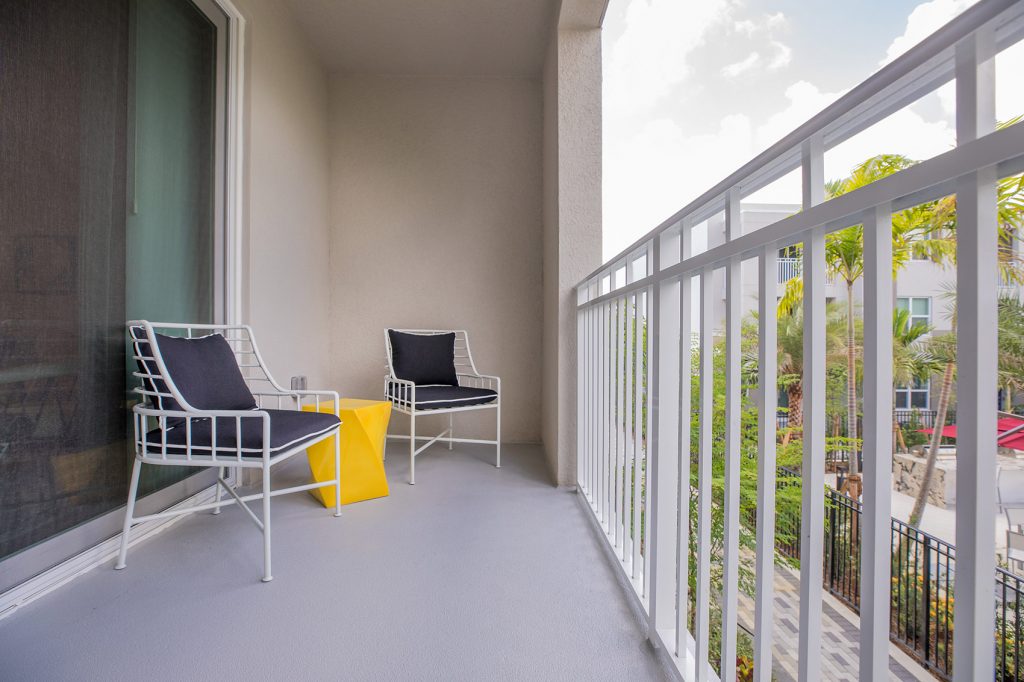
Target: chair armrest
column 401, row 391
column 141, row 413
column 481, row 381
column 298, row 396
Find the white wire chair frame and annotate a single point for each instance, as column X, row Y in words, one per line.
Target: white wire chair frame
column 402, row 396
column 224, row 457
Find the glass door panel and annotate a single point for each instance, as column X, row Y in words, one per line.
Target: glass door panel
column 171, row 220
column 111, row 163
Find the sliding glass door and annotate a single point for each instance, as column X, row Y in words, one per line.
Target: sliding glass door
column 112, row 136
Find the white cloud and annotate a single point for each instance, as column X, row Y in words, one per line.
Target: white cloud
column 654, row 165
column 742, row 66
column 749, row 27
column 650, row 58
column 783, row 55
column 924, row 20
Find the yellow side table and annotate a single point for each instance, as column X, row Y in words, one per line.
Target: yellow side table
column 363, row 430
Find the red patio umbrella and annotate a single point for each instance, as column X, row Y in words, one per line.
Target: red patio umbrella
column 1014, row 440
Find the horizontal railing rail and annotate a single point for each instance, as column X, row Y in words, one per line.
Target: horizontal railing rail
column 638, row 385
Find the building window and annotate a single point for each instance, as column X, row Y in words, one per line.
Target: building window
column 919, row 307
column 916, row 396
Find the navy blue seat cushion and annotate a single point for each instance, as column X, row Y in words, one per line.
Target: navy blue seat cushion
column 443, row 397
column 424, row 358
column 287, row 428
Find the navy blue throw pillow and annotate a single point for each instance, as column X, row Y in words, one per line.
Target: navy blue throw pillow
column 205, row 372
column 424, row 358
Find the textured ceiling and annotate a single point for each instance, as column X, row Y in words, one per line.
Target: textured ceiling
column 429, row 37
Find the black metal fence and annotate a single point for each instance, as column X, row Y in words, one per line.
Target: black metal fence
column 913, row 417
column 1009, row 626
column 921, row 610
column 788, row 541
column 922, row 578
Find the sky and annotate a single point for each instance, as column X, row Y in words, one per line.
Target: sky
column 692, row 90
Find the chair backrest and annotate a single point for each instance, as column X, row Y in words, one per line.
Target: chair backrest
column 463, row 356
column 157, row 383
column 1010, row 487
column 1014, row 517
column 1014, row 545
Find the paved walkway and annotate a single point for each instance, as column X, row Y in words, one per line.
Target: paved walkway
column 840, row 636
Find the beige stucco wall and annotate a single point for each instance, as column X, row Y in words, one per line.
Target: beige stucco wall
column 436, row 223
column 572, row 220
column 285, row 252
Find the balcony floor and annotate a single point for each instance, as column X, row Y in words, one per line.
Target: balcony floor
column 473, row 573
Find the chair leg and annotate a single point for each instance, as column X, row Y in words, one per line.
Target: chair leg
column 337, row 474
column 497, row 440
column 222, row 472
column 451, row 429
column 267, row 575
column 412, row 449
column 129, row 513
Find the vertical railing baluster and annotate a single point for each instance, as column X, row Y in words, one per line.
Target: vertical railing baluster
column 814, row 398
column 704, row 463
column 976, row 335
column 638, row 468
column 581, row 398
column 731, row 540
column 665, row 445
column 627, row 419
column 602, row 333
column 595, row 416
column 876, row 552
column 767, row 384
column 616, row 399
column 649, row 430
column 685, row 406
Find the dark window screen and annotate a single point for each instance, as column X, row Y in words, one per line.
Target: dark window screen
column 106, row 158
column 63, row 85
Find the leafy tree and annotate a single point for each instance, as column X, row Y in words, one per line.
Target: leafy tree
column 912, row 234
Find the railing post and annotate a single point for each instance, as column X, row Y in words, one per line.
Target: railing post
column 876, row 534
column 731, row 554
column 767, row 383
column 665, row 459
column 976, row 250
column 813, row 467
column 704, row 472
column 685, row 405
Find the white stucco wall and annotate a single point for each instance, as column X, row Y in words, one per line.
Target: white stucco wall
column 286, row 254
column 572, row 219
column 436, row 223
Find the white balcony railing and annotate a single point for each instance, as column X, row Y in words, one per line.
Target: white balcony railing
column 793, row 267
column 634, row 375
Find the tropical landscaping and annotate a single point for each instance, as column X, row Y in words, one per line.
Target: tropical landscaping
column 923, row 566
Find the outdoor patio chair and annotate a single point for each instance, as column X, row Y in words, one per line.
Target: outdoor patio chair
column 1010, row 487
column 199, row 411
column 432, row 372
column 1015, row 550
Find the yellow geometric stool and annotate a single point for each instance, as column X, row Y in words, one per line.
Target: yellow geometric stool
column 364, row 426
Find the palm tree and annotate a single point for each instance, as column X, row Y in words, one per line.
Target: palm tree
column 844, row 258
column 791, row 354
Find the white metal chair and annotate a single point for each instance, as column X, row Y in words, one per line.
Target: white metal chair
column 461, row 387
column 199, row 411
column 1014, row 550
column 1010, row 493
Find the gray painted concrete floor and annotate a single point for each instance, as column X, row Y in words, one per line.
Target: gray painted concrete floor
column 474, row 573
